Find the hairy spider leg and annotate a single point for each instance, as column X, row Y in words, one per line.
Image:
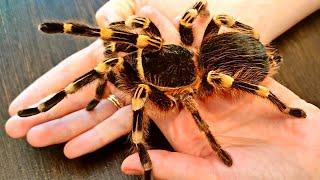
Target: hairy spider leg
column 99, row 94
column 229, row 21
column 138, row 137
column 105, row 33
column 144, row 23
column 132, row 22
column 112, row 47
column 97, row 73
column 187, row 20
column 227, row 81
column 190, row 104
column 274, row 57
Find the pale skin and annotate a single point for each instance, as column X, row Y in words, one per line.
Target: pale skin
column 262, row 141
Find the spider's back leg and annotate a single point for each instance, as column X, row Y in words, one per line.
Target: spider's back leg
column 226, row 81
column 190, row 104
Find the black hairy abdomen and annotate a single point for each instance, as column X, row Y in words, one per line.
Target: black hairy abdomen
column 236, row 55
column 172, row 66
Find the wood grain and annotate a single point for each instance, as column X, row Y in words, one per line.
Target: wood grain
column 26, row 54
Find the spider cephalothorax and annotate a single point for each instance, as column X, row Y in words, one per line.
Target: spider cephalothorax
column 171, row 75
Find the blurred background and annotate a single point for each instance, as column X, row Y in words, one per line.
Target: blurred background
column 25, row 54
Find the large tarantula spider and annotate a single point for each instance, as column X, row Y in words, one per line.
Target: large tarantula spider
column 170, row 76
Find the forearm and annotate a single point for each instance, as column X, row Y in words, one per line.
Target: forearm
column 271, row 18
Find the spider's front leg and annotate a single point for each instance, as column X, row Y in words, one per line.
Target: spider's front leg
column 187, row 20
column 144, row 23
column 97, row 73
column 190, row 104
column 226, row 81
column 99, row 94
column 138, row 137
column 105, row 33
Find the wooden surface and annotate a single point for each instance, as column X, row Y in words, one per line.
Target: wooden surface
column 25, row 54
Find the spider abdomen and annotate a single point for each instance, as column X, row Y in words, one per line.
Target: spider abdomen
column 235, row 54
column 172, row 66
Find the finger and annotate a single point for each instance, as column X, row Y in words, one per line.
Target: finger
column 115, row 10
column 17, row 127
column 58, row 77
column 107, row 131
column 167, row 29
column 69, row 126
column 171, row 165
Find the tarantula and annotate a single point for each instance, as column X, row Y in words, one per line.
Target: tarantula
column 171, row 76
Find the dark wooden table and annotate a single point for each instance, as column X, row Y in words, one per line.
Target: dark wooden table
column 26, row 54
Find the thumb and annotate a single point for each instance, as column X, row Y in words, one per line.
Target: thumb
column 171, row 165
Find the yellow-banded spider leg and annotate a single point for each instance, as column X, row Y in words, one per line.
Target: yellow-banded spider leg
column 98, row 72
column 229, row 21
column 138, row 137
column 190, row 104
column 99, row 93
column 69, row 28
column 144, row 23
column 71, row 88
column 228, row 82
column 115, row 47
column 139, row 40
column 139, row 22
column 132, row 22
column 105, row 33
column 186, row 22
column 212, row 29
column 274, row 57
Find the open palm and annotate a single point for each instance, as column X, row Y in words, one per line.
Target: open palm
column 261, row 140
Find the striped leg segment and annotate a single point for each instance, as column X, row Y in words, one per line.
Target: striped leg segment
column 228, row 82
column 71, row 88
column 132, row 22
column 138, row 100
column 69, row 28
column 105, row 33
column 144, row 23
column 97, row 73
column 274, row 57
column 114, row 47
column 99, row 93
column 104, row 68
column 139, row 22
column 186, row 22
column 138, row 40
column 190, row 104
column 229, row 21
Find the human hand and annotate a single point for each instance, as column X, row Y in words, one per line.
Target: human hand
column 263, row 143
column 69, row 122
